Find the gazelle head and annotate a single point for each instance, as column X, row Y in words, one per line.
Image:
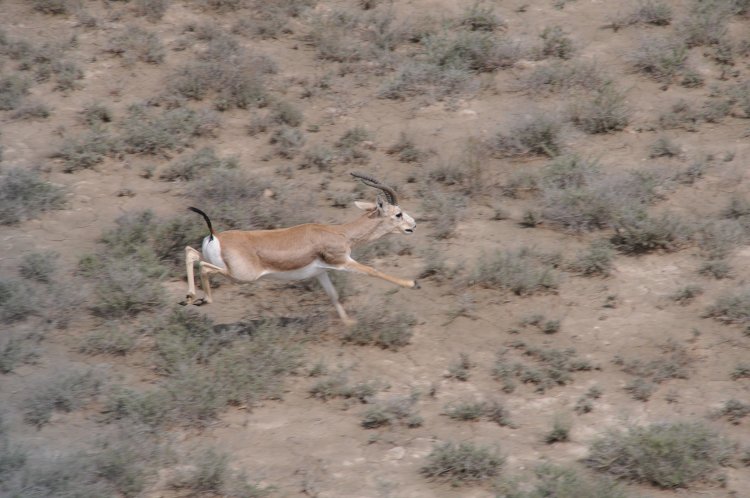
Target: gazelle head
column 386, row 206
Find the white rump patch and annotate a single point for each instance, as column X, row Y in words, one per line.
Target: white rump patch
column 212, row 252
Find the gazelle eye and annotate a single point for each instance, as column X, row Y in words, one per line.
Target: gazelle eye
column 399, row 215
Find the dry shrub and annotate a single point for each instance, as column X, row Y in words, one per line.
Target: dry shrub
column 195, row 165
column 144, row 132
column 605, row 112
column 523, row 272
column 136, row 44
column 471, row 51
column 462, row 463
column 566, row 75
column 13, row 89
column 235, row 199
column 668, row 455
column 65, row 393
column 538, row 134
column 24, row 195
column 381, row 324
column 660, row 58
column 234, row 78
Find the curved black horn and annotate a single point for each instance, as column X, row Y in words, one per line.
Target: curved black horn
column 372, row 182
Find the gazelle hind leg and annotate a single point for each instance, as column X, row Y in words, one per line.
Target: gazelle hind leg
column 206, row 270
column 191, row 256
column 325, row 282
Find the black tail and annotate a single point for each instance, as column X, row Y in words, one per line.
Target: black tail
column 205, row 217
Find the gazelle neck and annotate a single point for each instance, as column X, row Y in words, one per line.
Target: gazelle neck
column 366, row 228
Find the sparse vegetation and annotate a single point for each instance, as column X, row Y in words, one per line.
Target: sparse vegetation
column 540, row 134
column 461, row 368
column 577, row 175
column 65, row 393
column 555, row 43
column 383, row 325
column 734, row 410
column 143, row 132
column 136, row 44
column 560, row 431
column 522, row 272
column 661, row 59
column 605, row 112
column 39, row 266
column 462, row 463
column 594, row 260
column 668, row 455
column 731, row 307
column 24, row 195
column 192, row 166
column 393, row 410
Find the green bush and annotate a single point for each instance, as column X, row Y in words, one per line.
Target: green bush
column 462, row 463
column 24, row 195
column 668, row 455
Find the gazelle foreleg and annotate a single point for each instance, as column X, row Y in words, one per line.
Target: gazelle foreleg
column 354, row 266
column 325, row 282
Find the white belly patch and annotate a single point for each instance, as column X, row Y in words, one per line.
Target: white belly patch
column 312, row 270
column 212, row 252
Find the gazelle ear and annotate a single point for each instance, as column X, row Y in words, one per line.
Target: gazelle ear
column 365, row 206
column 381, row 203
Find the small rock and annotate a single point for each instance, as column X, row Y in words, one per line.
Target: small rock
column 396, row 453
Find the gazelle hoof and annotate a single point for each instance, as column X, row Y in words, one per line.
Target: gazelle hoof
column 416, row 285
column 200, row 302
